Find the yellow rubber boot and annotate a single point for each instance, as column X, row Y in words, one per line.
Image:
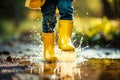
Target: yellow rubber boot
column 48, row 40
column 64, row 34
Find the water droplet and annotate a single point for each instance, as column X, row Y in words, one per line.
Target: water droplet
column 87, row 13
column 37, row 19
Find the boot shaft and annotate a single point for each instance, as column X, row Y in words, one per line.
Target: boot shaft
column 48, row 39
column 65, row 28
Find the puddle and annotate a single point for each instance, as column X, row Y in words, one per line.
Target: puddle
column 90, row 69
column 91, row 64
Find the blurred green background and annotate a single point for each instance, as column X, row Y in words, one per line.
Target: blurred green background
column 96, row 22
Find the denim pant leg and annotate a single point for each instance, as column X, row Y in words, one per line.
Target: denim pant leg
column 65, row 9
column 49, row 17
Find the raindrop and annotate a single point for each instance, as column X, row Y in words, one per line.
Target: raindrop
column 37, row 19
column 87, row 13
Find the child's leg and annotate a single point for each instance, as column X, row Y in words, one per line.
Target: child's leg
column 65, row 9
column 49, row 17
column 65, row 25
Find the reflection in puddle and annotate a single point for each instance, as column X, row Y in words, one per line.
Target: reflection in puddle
column 57, row 71
column 93, row 69
column 67, row 71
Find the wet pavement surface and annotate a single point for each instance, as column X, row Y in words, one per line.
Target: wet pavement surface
column 24, row 62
